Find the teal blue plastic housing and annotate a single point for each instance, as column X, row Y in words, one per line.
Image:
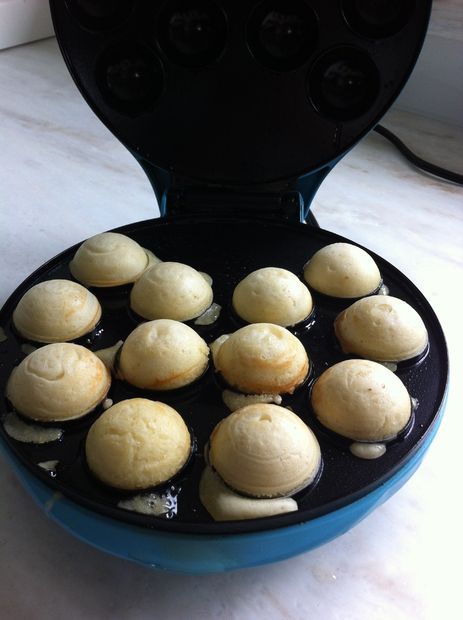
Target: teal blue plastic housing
column 203, row 554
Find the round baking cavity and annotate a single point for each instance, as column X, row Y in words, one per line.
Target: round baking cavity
column 378, row 18
column 192, row 33
column 282, row 33
column 343, row 83
column 211, row 246
column 130, row 77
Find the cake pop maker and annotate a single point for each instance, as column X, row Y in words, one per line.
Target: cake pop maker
column 236, row 111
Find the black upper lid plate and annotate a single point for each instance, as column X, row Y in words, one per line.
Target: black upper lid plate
column 238, row 92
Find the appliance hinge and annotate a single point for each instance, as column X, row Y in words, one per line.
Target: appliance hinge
column 231, row 203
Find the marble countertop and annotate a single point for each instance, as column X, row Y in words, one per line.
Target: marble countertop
column 63, row 178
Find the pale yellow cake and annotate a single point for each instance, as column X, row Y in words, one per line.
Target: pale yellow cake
column 171, row 291
column 56, row 311
column 262, row 358
column 361, row 400
column 137, row 444
column 381, row 328
column 110, row 259
column 342, row 270
column 60, row 381
column 163, row 355
column 272, row 295
column 264, row 450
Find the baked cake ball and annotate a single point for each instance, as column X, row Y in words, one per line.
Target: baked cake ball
column 58, row 382
column 264, row 450
column 272, row 295
column 342, row 270
column 56, row 311
column 137, row 444
column 381, row 328
column 262, row 358
column 171, row 291
column 110, row 259
column 163, row 355
column 361, row 400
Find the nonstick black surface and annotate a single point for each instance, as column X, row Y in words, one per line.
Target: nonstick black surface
column 206, row 115
column 228, row 250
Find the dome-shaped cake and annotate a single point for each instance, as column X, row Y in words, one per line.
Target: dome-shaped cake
column 163, row 355
column 56, row 311
column 171, row 291
column 110, row 259
column 381, row 328
column 272, row 295
column 137, row 444
column 264, row 450
column 342, row 270
column 58, row 382
column 361, row 400
column 262, row 358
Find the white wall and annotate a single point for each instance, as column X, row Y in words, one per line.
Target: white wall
column 22, row 21
column 435, row 88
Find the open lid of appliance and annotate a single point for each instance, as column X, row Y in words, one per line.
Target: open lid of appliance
column 251, row 96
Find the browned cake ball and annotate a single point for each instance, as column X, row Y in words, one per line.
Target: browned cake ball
column 137, row 444
column 262, row 358
column 56, row 311
column 61, row 381
column 163, row 355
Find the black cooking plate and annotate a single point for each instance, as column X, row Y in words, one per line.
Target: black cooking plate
column 228, row 249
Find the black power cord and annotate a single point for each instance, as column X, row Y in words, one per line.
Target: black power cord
column 437, row 171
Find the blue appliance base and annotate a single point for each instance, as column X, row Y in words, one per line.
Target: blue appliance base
column 203, row 554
